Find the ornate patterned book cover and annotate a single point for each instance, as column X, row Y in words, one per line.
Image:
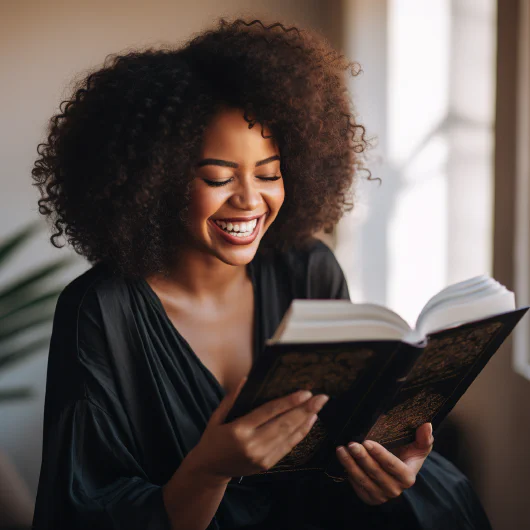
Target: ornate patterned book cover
column 380, row 390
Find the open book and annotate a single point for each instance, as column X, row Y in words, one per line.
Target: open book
column 383, row 377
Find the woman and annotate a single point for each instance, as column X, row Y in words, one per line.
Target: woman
column 194, row 180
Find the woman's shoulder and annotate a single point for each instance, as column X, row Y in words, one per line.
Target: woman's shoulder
column 85, row 293
column 314, row 270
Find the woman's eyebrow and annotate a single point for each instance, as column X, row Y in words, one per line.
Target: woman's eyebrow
column 226, row 163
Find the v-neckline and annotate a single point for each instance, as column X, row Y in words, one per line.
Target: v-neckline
column 255, row 332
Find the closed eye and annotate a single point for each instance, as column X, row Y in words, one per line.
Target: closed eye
column 215, row 183
column 276, row 177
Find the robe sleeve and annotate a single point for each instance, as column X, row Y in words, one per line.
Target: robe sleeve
column 325, row 278
column 91, row 479
column 91, row 475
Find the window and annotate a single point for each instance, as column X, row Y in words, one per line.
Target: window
column 427, row 93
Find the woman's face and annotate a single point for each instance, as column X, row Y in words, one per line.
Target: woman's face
column 237, row 189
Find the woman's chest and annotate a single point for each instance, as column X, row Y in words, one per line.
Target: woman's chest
column 222, row 340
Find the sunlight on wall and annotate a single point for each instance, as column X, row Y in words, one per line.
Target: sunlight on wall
column 418, row 63
column 418, row 68
column 427, row 94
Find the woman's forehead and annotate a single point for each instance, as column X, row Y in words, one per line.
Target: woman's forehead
column 228, row 137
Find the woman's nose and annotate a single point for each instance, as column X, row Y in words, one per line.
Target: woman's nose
column 247, row 196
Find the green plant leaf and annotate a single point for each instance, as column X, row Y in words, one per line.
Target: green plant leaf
column 26, row 325
column 35, row 302
column 17, row 288
column 10, row 245
column 23, row 352
column 20, row 299
column 12, row 394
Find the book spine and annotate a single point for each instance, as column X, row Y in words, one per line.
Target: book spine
column 384, row 387
column 382, row 391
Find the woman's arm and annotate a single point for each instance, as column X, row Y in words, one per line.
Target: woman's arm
column 192, row 497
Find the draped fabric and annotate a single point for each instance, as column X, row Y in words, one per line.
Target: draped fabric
column 127, row 399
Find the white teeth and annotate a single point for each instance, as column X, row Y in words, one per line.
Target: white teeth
column 240, row 229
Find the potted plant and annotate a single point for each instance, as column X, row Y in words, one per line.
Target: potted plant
column 26, row 303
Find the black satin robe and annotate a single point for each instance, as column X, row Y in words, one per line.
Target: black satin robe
column 127, row 399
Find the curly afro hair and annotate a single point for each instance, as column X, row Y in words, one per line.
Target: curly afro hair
column 113, row 175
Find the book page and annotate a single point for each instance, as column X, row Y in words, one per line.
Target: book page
column 309, row 321
column 474, row 299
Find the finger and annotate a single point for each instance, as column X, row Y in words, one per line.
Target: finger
column 361, row 483
column 260, row 416
column 277, row 450
column 387, row 483
column 391, row 464
column 282, row 428
column 220, row 413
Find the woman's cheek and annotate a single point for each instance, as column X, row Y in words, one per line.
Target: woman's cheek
column 205, row 202
column 276, row 198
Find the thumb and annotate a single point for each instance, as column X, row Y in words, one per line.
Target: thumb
column 423, row 441
column 227, row 402
column 424, row 437
column 420, row 448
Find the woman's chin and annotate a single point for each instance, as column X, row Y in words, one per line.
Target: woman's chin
column 239, row 256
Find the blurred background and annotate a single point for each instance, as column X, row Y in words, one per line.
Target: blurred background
column 445, row 95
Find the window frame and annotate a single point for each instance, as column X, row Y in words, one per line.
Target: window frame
column 521, row 345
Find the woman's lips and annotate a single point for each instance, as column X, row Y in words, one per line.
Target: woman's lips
column 239, row 240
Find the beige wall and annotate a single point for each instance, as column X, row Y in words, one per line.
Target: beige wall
column 43, row 45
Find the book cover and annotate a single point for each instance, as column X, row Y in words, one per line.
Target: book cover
column 380, row 390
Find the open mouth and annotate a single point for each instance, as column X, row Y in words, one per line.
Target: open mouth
column 238, row 232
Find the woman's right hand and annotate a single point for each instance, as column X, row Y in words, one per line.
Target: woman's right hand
column 256, row 441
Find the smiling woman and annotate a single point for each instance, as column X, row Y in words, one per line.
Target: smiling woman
column 194, row 180
column 237, row 181
column 129, row 144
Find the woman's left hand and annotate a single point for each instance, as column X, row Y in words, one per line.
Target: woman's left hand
column 378, row 475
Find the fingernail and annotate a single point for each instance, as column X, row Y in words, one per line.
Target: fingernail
column 355, row 448
column 368, row 444
column 320, row 401
column 304, row 395
column 342, row 451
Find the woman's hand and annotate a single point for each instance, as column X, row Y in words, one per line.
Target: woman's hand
column 378, row 475
column 256, row 441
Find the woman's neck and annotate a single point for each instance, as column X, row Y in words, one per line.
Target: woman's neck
column 201, row 276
